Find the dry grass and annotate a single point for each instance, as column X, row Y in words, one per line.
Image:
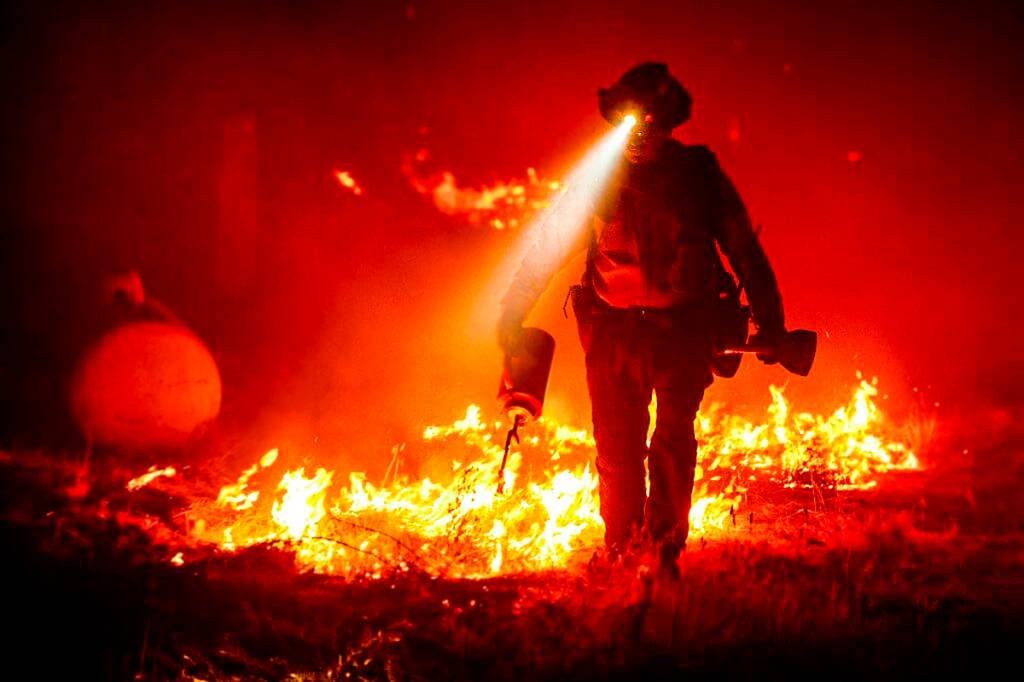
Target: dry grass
column 911, row 578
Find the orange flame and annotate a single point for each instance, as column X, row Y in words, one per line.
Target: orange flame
column 150, row 476
column 549, row 513
column 501, row 205
column 302, row 507
column 237, row 496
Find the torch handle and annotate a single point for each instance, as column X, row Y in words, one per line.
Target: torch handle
column 795, row 351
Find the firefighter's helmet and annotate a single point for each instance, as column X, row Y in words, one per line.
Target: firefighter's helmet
column 649, row 92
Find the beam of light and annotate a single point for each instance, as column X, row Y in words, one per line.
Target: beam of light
column 568, row 215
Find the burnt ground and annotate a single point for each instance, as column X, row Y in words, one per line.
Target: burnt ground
column 922, row 576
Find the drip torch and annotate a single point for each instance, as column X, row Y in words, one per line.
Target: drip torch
column 524, row 380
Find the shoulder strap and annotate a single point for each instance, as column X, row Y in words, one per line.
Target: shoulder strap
column 588, row 272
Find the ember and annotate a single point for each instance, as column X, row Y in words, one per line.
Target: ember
column 346, row 180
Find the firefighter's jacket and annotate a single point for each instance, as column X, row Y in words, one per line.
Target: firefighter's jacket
column 654, row 239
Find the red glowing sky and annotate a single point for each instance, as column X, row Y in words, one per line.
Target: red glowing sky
column 872, row 143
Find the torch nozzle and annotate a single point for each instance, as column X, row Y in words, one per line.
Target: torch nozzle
column 513, row 433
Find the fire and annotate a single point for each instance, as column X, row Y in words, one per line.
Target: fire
column 346, row 180
column 302, row 507
column 548, row 516
column 507, row 204
column 150, row 476
column 237, row 495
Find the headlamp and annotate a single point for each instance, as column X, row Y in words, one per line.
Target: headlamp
column 646, row 89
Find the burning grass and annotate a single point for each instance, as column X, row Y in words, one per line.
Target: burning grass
column 458, row 525
column 871, row 580
column 850, row 559
column 506, row 204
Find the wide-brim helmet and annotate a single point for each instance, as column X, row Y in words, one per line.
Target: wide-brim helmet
column 649, row 92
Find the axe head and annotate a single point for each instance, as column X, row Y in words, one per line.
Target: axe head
column 796, row 351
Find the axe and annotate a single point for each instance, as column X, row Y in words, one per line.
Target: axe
column 795, row 350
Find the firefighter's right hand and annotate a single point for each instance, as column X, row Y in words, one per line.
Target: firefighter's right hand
column 771, row 337
column 510, row 330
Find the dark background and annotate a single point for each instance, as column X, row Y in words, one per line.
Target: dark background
column 196, row 143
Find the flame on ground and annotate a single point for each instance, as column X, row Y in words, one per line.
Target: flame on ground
column 237, row 495
column 548, row 516
column 145, row 479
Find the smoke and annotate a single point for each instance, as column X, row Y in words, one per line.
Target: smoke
column 199, row 146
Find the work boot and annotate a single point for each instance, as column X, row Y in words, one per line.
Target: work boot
column 603, row 559
column 668, row 559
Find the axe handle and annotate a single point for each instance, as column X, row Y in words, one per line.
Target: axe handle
column 748, row 348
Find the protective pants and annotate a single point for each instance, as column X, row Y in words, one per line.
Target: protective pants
column 629, row 354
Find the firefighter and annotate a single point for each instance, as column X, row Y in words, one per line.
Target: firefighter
column 654, row 299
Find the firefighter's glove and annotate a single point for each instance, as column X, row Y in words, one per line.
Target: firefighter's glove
column 773, row 339
column 510, row 330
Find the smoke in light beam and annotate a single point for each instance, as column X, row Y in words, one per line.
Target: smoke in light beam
column 564, row 221
column 568, row 215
